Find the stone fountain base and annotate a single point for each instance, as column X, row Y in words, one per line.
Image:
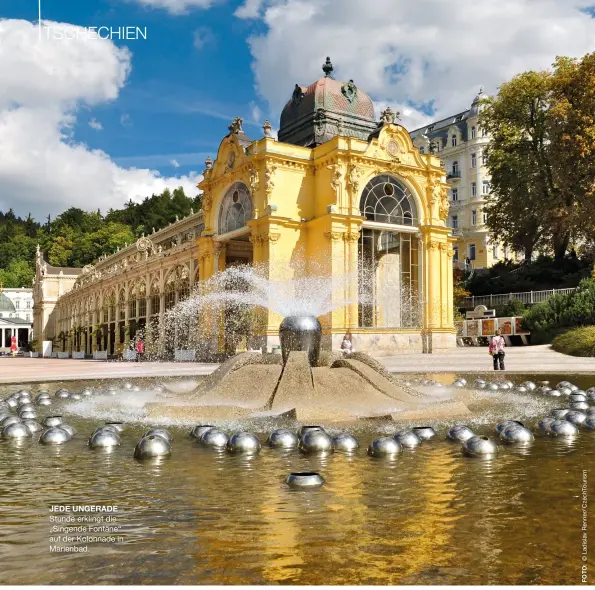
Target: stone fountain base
column 338, row 390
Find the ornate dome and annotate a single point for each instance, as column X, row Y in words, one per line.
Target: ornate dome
column 6, row 305
column 475, row 104
column 326, row 108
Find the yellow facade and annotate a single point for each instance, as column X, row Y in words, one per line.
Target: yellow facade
column 306, row 219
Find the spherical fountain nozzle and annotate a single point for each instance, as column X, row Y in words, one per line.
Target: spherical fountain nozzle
column 300, row 333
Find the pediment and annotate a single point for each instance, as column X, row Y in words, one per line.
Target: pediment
column 394, row 144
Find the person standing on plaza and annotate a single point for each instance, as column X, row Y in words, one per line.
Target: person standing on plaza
column 13, row 345
column 140, row 349
column 496, row 349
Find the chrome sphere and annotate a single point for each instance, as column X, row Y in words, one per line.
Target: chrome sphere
column 128, row 385
column 345, row 443
column 573, row 387
column 544, row 389
column 112, row 390
column 300, row 333
column 509, row 383
column 385, row 446
column 119, row 426
column 479, row 446
column 33, row 426
column 505, row 386
column 107, row 428
column 86, row 392
column 243, row 442
column 508, row 423
column 554, row 393
column 52, row 421
column 16, row 430
column 577, row 397
column 283, row 439
column 530, row 385
column 563, row 428
column 575, row 417
column 462, row 380
column 408, row 439
column 545, row 424
column 458, row 383
column 563, row 384
column 516, row 434
column 590, row 411
column 460, row 432
column 590, row 423
column 28, row 415
column 521, row 389
column 559, row 413
column 304, row 480
column 579, row 406
column 492, row 386
column 304, row 429
column 9, row 420
column 12, row 403
column 590, row 393
column 214, row 438
column 480, row 384
column 70, row 429
column 60, row 394
column 424, row 432
column 75, row 396
column 158, row 432
column 316, row 441
column 27, row 407
column 565, row 390
column 54, row 436
column 104, row 439
column 152, row 446
column 199, row 430
column 44, row 401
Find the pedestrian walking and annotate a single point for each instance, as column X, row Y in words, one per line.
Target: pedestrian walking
column 496, row 349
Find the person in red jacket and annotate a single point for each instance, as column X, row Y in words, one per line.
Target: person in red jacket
column 140, row 349
column 13, row 345
column 496, row 349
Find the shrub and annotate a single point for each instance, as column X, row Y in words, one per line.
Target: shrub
column 511, row 308
column 576, row 342
column 564, row 311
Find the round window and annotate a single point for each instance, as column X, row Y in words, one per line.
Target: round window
column 389, row 189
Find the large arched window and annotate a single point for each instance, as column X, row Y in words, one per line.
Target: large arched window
column 236, row 208
column 386, row 200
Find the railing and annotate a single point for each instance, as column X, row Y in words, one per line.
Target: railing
column 526, row 297
column 453, row 174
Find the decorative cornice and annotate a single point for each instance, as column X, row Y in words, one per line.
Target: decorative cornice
column 259, row 239
column 335, row 236
column 351, row 236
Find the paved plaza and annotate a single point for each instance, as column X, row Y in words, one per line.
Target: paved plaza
column 526, row 359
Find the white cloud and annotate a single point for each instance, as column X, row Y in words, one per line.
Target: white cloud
column 42, row 169
column 412, row 54
column 175, row 163
column 177, row 6
column 95, row 124
column 125, row 120
column 250, row 9
column 255, row 112
column 203, row 36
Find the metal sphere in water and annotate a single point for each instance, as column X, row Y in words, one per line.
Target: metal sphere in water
column 500, row 427
column 33, row 426
column 300, row 333
column 136, row 388
column 385, row 446
column 458, row 383
column 582, row 406
column 316, row 441
column 530, row 385
column 516, row 434
column 119, row 426
column 562, row 384
column 479, row 446
column 424, row 432
column 86, row 392
column 304, row 480
column 345, row 443
column 160, row 432
column 304, row 429
column 283, row 439
column 199, row 430
column 128, row 385
column 545, row 424
column 214, row 438
column 106, row 428
column 559, row 413
column 521, row 389
column 152, row 446
column 70, row 429
column 243, row 442
column 575, row 417
column 52, row 421
column 590, row 393
column 75, row 396
column 460, row 432
column 573, row 387
column 16, row 430
column 104, row 439
column 577, row 397
column 589, row 423
column 27, row 407
column 28, row 415
column 60, row 394
column 54, row 436
column 12, row 403
column 492, row 386
column 554, row 393
column 407, row 439
column 544, row 389
column 44, row 401
column 9, row 420
column 565, row 390
column 563, row 428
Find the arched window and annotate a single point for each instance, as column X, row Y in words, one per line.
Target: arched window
column 132, row 302
column 122, row 305
column 236, row 208
column 155, row 297
column 142, row 299
column 177, row 280
column 386, row 200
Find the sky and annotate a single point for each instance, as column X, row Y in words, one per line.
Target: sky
column 94, row 122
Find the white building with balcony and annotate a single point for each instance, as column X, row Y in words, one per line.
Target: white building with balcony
column 460, row 142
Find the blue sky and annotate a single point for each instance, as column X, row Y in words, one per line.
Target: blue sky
column 95, row 123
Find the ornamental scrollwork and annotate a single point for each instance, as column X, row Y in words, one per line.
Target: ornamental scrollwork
column 269, row 170
column 335, row 236
column 254, row 181
column 144, row 244
column 259, row 239
column 352, row 236
column 336, row 176
column 353, row 177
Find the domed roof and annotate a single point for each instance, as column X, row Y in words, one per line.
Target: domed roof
column 324, row 109
column 6, row 304
column 475, row 104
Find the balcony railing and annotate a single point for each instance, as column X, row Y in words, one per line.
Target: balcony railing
column 453, row 175
column 526, row 297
